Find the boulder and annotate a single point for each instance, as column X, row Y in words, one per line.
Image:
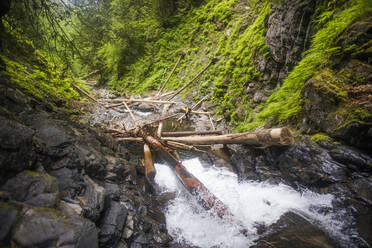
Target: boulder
column 15, row 146
column 292, row 230
column 34, row 188
column 8, row 217
column 41, row 227
column 92, row 199
column 70, row 182
column 112, row 224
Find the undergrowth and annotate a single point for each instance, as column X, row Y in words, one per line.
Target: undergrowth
column 286, row 102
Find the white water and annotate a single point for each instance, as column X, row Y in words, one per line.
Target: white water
column 251, row 202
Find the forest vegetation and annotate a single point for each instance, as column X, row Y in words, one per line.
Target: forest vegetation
column 134, row 44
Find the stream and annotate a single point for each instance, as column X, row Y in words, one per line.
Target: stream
column 255, row 204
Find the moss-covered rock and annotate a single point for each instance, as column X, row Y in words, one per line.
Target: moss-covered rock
column 328, row 109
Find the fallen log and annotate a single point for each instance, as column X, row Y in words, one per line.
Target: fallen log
column 262, row 138
column 189, row 133
column 150, row 170
column 181, row 55
column 163, row 114
column 121, row 100
column 83, row 92
column 214, row 60
column 192, row 184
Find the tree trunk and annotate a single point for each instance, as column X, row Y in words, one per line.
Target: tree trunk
column 193, row 185
column 150, row 170
column 262, row 138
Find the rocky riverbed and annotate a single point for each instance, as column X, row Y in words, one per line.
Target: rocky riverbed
column 63, row 183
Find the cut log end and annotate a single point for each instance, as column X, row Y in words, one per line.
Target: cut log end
column 282, row 135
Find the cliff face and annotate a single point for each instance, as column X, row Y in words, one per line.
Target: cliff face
column 268, row 51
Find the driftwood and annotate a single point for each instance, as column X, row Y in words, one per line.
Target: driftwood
column 90, row 74
column 262, row 138
column 193, row 185
column 163, row 114
column 150, row 171
column 214, row 60
column 181, row 55
column 188, row 133
column 83, row 92
column 121, row 100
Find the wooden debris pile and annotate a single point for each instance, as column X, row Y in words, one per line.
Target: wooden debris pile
column 166, row 143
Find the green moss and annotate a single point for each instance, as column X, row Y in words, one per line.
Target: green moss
column 32, row 173
column 286, row 102
column 320, row 137
column 352, row 114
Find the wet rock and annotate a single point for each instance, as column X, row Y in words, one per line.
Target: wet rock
column 70, row 209
column 112, row 224
column 310, row 165
column 53, row 134
column 13, row 135
column 145, row 107
column 141, row 241
column 16, row 141
column 92, row 200
column 128, row 230
column 112, row 191
column 165, row 197
column 292, row 230
column 288, row 35
column 95, row 162
column 8, row 217
column 328, row 109
column 34, row 188
column 363, row 189
column 70, row 182
column 40, row 227
column 353, row 158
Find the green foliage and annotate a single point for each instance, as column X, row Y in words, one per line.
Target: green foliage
column 286, row 102
column 46, row 85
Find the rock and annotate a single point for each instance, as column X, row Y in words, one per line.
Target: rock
column 34, row 188
column 112, row 191
column 70, row 182
column 92, row 200
column 363, row 189
column 128, row 230
column 52, row 134
column 145, row 107
column 353, row 158
column 112, row 224
column 95, row 162
column 328, row 109
column 292, row 230
column 288, row 36
column 41, row 227
column 8, row 217
column 14, row 135
column 70, row 209
column 15, row 146
column 259, row 97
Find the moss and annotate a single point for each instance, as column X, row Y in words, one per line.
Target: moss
column 286, row 102
column 352, row 114
column 320, row 137
column 9, row 206
column 32, row 173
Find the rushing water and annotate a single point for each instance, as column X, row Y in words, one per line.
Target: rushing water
column 252, row 203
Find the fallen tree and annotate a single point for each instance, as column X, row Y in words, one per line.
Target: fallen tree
column 262, row 138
